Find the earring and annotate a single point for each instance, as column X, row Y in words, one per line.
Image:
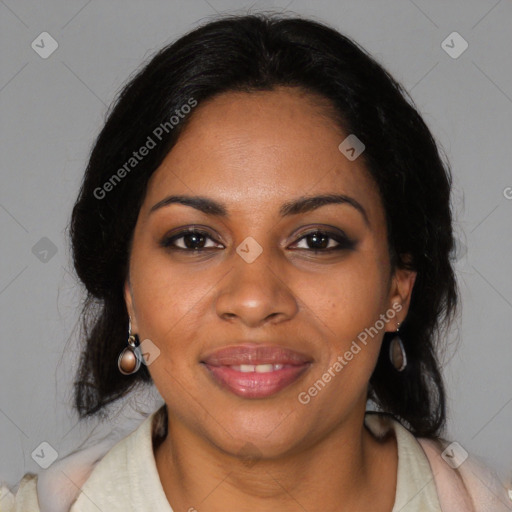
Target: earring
column 397, row 352
column 128, row 361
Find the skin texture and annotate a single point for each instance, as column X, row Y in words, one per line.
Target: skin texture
column 253, row 152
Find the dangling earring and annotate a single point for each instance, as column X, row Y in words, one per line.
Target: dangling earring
column 128, row 361
column 397, row 352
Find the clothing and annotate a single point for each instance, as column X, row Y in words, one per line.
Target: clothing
column 124, row 477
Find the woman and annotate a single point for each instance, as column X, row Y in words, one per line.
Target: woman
column 265, row 222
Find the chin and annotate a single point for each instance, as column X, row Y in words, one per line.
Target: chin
column 267, row 432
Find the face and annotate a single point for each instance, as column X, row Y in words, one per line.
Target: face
column 289, row 290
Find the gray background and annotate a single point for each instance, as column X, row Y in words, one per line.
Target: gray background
column 52, row 109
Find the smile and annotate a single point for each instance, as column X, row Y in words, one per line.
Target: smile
column 255, row 371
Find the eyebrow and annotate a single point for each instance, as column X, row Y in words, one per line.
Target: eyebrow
column 303, row 204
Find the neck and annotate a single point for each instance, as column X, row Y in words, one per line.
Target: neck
column 342, row 471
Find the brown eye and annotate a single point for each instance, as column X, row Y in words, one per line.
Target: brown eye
column 324, row 241
column 194, row 240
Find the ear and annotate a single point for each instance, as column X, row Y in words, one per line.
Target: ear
column 400, row 293
column 128, row 298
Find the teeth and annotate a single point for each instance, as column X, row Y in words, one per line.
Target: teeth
column 258, row 368
column 264, row 368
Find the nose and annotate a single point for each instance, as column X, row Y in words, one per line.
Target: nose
column 256, row 293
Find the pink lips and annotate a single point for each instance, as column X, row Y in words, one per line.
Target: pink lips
column 255, row 371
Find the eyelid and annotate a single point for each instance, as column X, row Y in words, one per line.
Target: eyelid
column 168, row 239
column 342, row 240
column 320, row 227
column 199, row 228
column 324, row 228
column 336, row 234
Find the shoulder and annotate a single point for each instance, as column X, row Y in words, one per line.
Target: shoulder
column 57, row 488
column 463, row 481
column 459, row 473
column 25, row 498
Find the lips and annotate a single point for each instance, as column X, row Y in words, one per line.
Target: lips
column 255, row 371
column 254, row 354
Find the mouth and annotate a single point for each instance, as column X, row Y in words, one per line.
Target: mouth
column 255, row 371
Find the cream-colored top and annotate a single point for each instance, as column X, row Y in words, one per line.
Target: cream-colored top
column 126, row 478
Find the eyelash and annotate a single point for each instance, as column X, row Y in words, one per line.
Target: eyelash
column 344, row 242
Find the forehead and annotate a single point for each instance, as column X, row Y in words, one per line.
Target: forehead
column 252, row 149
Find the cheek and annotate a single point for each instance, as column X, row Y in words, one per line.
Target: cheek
column 167, row 300
column 350, row 298
column 348, row 308
column 350, row 305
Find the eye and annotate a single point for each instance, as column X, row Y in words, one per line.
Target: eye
column 194, row 240
column 325, row 241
